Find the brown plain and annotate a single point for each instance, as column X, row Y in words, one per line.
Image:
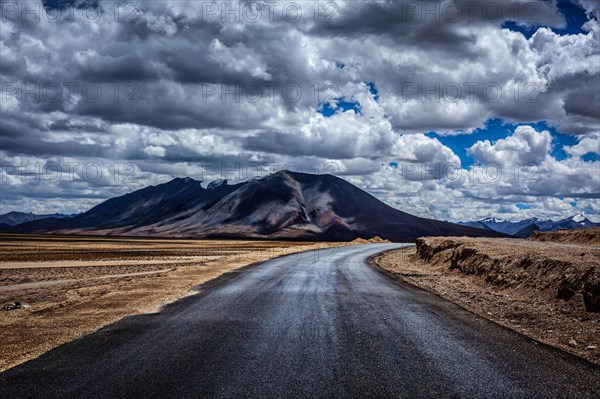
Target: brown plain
column 73, row 285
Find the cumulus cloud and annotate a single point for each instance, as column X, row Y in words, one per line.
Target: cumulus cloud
column 519, row 169
column 587, row 145
column 525, row 147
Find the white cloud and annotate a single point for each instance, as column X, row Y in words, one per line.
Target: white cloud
column 586, row 145
column 525, row 147
column 155, row 151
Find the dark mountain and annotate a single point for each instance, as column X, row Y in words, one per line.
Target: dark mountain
column 16, row 218
column 139, row 208
column 526, row 232
column 477, row 224
column 501, row 225
column 283, row 205
column 574, row 222
column 513, row 228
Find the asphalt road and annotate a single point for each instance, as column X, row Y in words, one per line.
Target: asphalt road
column 320, row 324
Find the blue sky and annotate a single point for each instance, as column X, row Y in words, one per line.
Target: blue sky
column 496, row 129
column 343, row 104
column 574, row 16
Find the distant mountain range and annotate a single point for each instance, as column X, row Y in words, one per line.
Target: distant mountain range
column 284, row 205
column 15, row 218
column 525, row 228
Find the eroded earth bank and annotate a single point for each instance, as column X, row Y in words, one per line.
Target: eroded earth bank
column 547, row 287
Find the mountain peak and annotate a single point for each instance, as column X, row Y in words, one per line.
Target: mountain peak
column 283, row 205
column 294, row 174
column 186, row 180
column 182, row 181
column 493, row 219
column 14, row 218
column 519, row 227
column 578, row 218
column 216, row 184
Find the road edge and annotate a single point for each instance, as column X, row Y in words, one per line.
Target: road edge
column 397, row 279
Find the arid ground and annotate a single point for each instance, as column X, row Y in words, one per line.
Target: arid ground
column 547, row 287
column 72, row 285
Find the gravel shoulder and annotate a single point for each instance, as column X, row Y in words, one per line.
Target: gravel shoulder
column 545, row 290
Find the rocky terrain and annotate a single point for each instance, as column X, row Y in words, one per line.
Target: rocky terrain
column 547, row 290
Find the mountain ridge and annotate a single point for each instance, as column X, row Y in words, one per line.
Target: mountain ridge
column 15, row 218
column 514, row 228
column 283, row 205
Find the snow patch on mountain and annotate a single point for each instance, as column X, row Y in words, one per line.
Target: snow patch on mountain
column 513, row 228
column 217, row 183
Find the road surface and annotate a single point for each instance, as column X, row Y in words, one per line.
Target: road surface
column 320, row 324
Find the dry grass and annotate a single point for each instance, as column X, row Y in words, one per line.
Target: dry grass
column 590, row 236
column 71, row 286
column 535, row 288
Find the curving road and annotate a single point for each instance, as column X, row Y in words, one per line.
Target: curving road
column 319, row 324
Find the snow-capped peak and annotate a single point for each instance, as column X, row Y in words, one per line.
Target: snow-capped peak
column 493, row 219
column 217, row 183
column 578, row 218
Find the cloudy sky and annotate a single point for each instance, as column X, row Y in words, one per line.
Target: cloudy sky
column 455, row 110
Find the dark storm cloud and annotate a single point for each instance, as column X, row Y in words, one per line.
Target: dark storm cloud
column 296, row 145
column 26, row 135
column 416, row 23
column 36, row 146
column 75, row 126
column 394, row 21
column 12, row 130
column 116, row 68
column 64, row 4
column 190, row 66
column 584, row 100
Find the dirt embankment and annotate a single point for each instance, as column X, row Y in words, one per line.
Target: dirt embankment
column 549, row 291
column 565, row 273
column 590, row 236
column 374, row 240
